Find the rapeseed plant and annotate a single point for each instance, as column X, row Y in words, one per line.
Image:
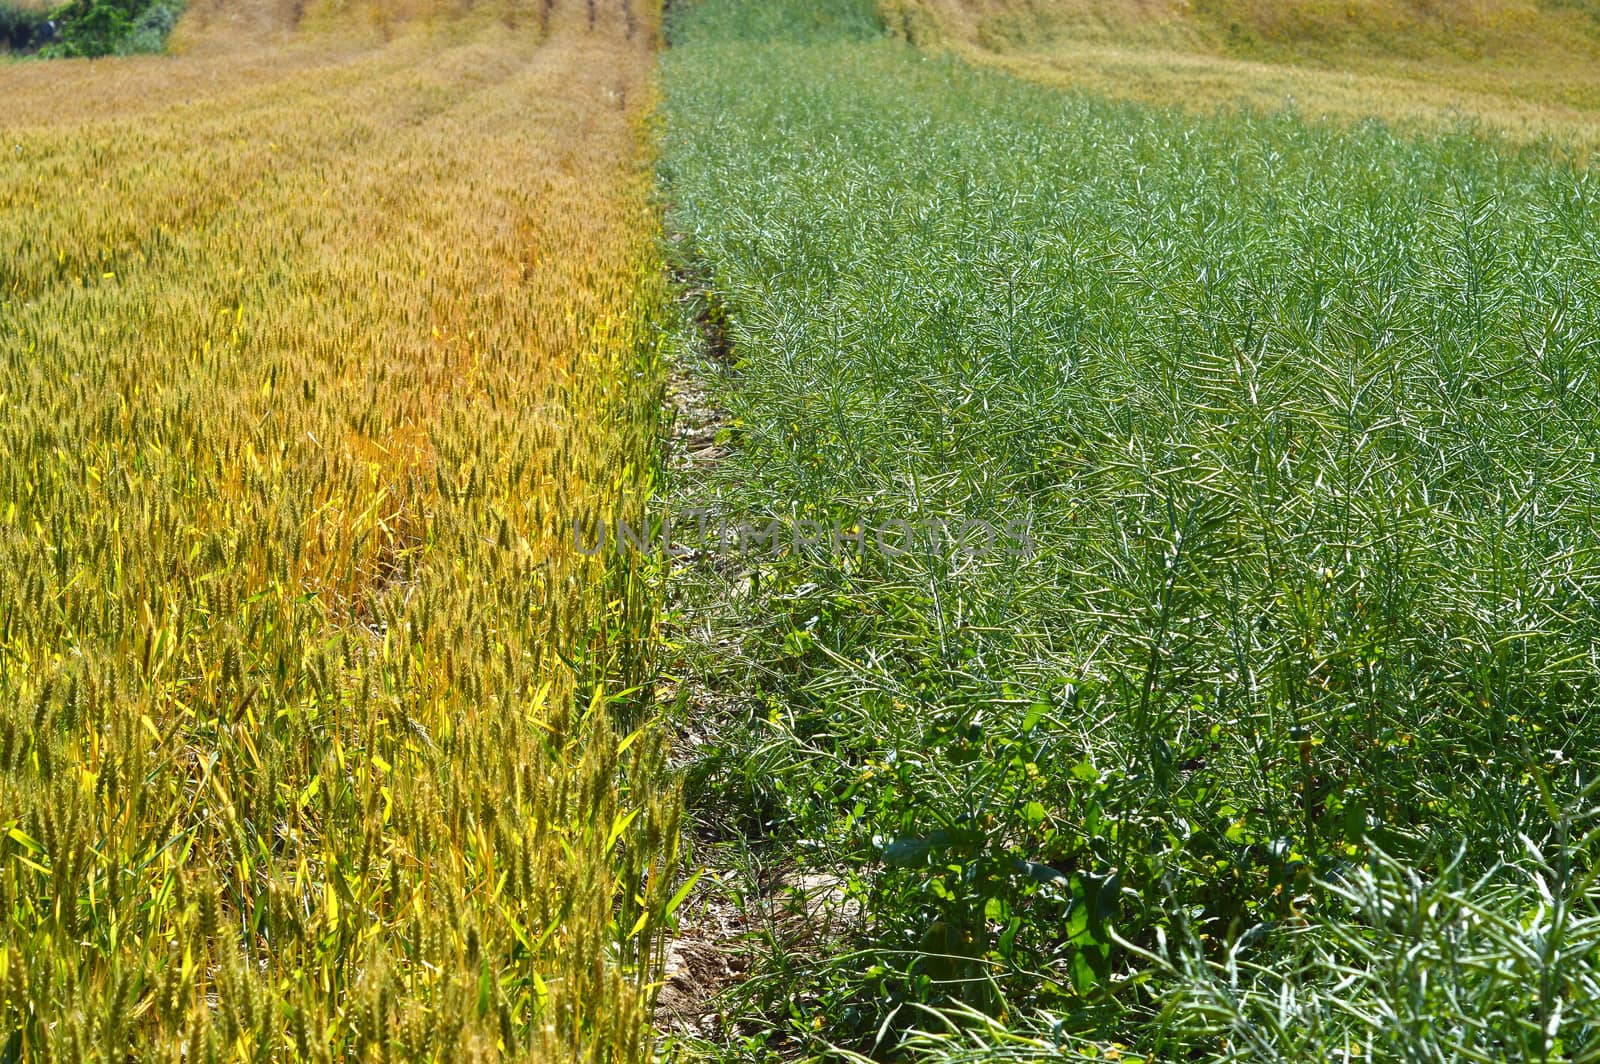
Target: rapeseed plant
column 1280, row 744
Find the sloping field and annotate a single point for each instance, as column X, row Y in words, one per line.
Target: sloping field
column 1529, row 70
column 315, row 739
column 1301, row 29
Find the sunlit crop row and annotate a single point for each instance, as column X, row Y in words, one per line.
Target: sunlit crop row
column 316, row 739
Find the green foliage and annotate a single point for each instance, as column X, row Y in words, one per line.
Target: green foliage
column 151, row 29
column 20, row 28
column 1504, row 966
column 1303, row 422
column 1588, row 8
column 93, row 28
column 821, row 20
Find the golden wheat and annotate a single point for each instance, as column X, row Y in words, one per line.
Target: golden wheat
column 316, row 739
column 1524, row 71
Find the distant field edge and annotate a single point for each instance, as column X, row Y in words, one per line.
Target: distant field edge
column 1528, row 73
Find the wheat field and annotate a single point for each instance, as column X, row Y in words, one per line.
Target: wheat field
column 318, row 740
column 1525, row 70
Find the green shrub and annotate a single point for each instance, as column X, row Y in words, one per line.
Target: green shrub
column 92, row 28
column 20, row 28
column 151, row 28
